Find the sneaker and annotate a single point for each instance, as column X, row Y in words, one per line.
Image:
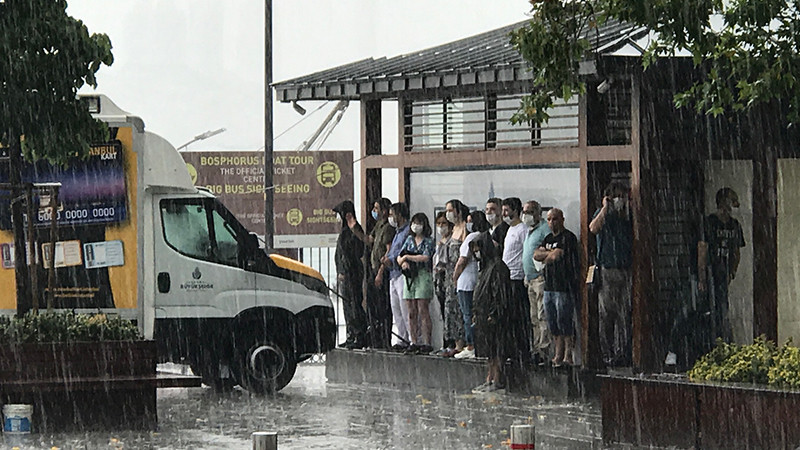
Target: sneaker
column 449, row 353
column 672, row 359
column 482, row 388
column 465, row 354
column 399, row 348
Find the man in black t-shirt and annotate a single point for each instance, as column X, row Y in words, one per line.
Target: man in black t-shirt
column 560, row 254
column 718, row 255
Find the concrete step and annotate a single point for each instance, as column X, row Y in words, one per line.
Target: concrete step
column 458, row 375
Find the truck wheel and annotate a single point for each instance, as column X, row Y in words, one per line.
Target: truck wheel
column 265, row 366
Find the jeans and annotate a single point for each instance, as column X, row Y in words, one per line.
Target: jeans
column 614, row 304
column 465, row 302
column 559, row 308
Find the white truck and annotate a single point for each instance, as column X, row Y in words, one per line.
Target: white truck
column 138, row 239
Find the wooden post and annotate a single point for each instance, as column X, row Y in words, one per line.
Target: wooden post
column 402, row 177
column 645, row 248
column 765, row 233
column 370, row 145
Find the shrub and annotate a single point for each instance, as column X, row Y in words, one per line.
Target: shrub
column 66, row 327
column 761, row 363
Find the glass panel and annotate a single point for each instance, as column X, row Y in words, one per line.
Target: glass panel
column 186, row 228
column 227, row 245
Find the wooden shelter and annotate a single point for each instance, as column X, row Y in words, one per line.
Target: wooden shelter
column 454, row 107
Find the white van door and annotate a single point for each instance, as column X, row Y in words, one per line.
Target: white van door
column 199, row 263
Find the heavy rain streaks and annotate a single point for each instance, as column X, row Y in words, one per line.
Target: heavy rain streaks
column 310, row 413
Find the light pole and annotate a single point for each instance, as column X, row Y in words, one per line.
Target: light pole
column 269, row 217
column 202, row 136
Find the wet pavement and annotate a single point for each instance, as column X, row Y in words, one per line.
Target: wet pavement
column 313, row 414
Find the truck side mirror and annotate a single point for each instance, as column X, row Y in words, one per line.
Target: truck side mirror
column 250, row 250
column 251, row 241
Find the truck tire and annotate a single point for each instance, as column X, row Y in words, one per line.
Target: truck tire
column 265, row 366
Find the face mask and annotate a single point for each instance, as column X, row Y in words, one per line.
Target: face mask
column 507, row 219
column 416, row 228
column 492, row 218
column 441, row 230
column 477, row 255
column 529, row 220
column 469, row 227
column 392, row 222
column 450, row 216
column 375, row 215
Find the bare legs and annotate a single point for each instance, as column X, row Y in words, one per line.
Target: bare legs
column 563, row 350
column 419, row 317
column 495, row 366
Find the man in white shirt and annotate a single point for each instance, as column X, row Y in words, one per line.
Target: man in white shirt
column 512, row 257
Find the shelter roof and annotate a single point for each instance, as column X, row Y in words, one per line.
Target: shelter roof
column 483, row 59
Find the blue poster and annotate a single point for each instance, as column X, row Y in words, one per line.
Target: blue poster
column 92, row 190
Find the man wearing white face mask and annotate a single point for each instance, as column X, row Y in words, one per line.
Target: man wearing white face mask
column 398, row 219
column 512, row 257
column 613, row 227
column 494, row 215
column 534, row 279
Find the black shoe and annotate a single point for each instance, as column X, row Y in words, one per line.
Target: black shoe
column 425, row 349
column 357, row 344
column 346, row 344
column 400, row 348
column 412, row 349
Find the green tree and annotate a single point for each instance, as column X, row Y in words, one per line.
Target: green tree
column 45, row 57
column 746, row 50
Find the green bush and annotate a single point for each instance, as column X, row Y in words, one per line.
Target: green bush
column 762, row 362
column 66, row 327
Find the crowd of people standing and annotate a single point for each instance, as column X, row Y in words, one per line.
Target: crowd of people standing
column 503, row 283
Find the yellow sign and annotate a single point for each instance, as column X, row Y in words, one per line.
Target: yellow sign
column 328, row 174
column 192, row 172
column 294, row 216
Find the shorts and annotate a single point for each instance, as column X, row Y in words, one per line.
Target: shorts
column 420, row 287
column 559, row 308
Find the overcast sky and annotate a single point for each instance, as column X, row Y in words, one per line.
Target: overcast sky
column 187, row 66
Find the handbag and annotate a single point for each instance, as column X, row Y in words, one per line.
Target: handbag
column 593, row 275
column 411, row 271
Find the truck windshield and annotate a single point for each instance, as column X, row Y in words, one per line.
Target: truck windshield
column 194, row 228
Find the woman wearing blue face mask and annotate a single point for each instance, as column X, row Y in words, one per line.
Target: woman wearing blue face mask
column 415, row 262
column 379, row 309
